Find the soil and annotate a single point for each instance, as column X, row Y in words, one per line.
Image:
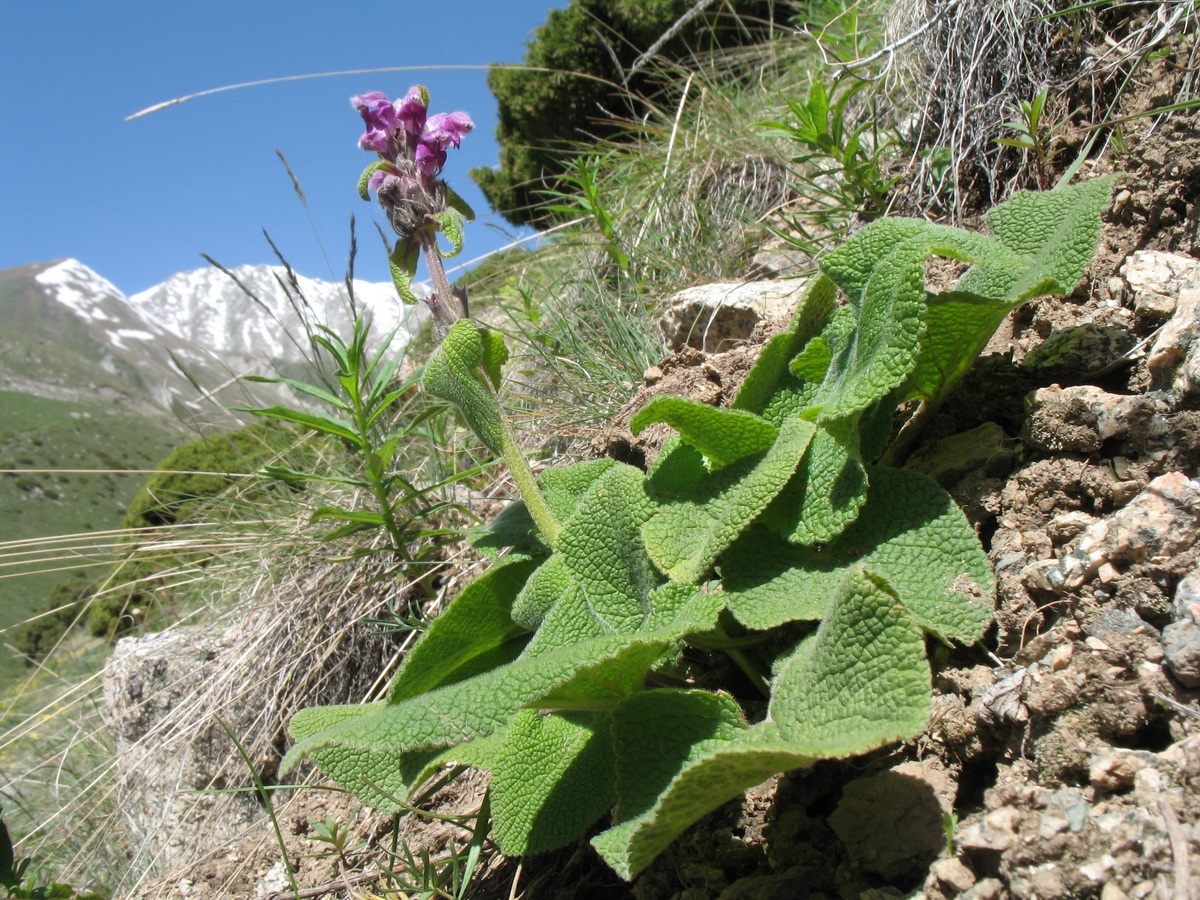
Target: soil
column 1062, row 759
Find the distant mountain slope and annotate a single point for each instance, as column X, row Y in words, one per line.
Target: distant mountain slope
column 68, row 333
column 207, row 308
column 92, row 381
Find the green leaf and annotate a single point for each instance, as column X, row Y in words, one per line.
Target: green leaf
column 460, row 371
column 771, row 368
column 959, row 325
column 450, row 221
column 722, row 435
column 363, row 190
column 1059, row 229
column 594, row 674
column 302, row 387
column 881, row 269
column 550, row 584
column 688, row 531
column 601, row 546
column 829, row 489
column 553, row 778
column 403, row 265
column 909, row 531
column 292, row 476
column 861, row 681
column 659, row 736
column 361, row 517
column 457, row 202
column 562, row 486
column 324, row 424
column 474, row 634
column 600, row 579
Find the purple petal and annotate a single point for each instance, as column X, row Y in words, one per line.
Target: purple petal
column 429, row 160
column 446, row 130
column 380, row 117
column 411, row 110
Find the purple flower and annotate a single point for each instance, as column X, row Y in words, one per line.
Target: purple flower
column 446, row 130
column 411, row 110
column 379, row 114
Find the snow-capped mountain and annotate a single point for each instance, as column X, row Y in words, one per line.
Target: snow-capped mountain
column 67, row 332
column 213, row 311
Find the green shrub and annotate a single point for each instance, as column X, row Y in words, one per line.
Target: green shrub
column 200, row 470
column 54, row 618
column 590, row 47
column 190, row 477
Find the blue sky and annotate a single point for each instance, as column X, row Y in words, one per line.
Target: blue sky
column 140, row 200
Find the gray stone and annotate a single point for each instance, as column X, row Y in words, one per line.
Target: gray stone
column 1174, row 357
column 1181, row 646
column 1186, row 605
column 1080, row 349
column 715, row 317
column 1118, row 621
column 161, row 777
column 1081, row 418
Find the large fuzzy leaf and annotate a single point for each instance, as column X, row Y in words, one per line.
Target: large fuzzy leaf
column 910, row 532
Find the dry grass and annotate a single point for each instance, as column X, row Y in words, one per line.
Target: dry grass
column 965, row 66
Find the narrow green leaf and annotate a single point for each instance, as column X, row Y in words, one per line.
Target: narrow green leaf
column 403, row 265
column 375, row 520
column 450, row 221
column 287, row 474
column 324, row 424
column 363, row 190
column 457, row 202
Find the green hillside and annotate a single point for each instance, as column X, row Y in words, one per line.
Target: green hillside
column 82, row 442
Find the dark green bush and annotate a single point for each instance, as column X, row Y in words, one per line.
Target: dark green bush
column 190, row 477
column 590, row 46
column 54, row 618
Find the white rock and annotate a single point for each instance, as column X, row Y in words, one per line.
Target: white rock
column 1154, row 280
column 714, row 317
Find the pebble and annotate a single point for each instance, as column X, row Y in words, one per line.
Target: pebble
column 952, row 874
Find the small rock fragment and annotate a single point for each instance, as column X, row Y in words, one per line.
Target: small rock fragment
column 1174, row 357
column 952, row 874
column 1154, row 280
column 1079, row 350
column 1162, row 520
column 1082, row 417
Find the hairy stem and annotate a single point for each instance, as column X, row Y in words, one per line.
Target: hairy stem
column 535, row 500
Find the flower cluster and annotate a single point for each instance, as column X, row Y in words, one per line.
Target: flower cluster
column 401, row 130
column 412, row 147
